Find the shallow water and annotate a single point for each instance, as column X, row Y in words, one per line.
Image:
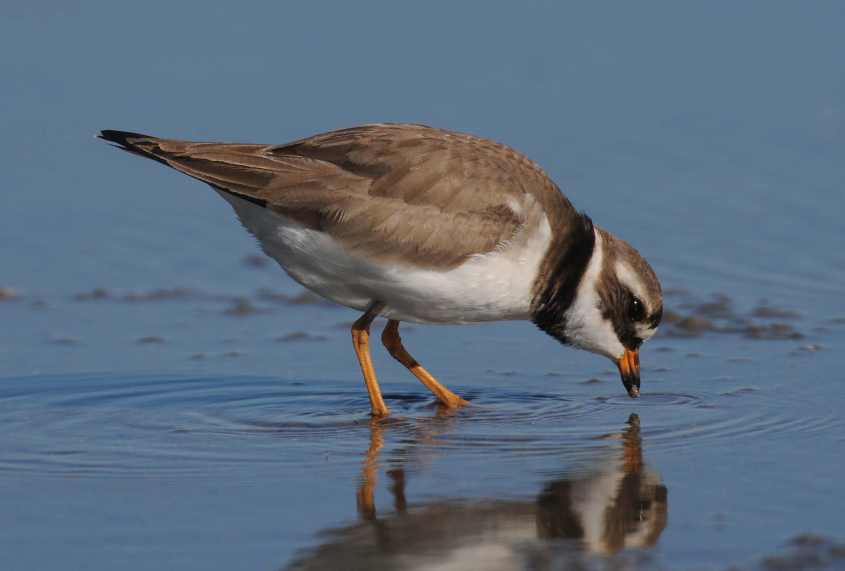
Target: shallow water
column 170, row 401
column 734, row 443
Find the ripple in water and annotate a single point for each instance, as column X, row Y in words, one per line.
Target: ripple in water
column 77, row 426
column 71, row 426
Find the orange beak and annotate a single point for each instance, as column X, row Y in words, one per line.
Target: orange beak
column 629, row 368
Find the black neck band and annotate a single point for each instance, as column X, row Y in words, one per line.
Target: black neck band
column 557, row 294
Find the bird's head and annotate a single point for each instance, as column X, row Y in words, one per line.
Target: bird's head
column 614, row 307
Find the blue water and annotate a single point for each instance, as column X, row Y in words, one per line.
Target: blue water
column 145, row 422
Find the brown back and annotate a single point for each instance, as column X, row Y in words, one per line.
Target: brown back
column 398, row 192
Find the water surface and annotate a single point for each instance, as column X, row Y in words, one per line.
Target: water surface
column 168, row 400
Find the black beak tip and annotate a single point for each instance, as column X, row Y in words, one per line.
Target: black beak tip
column 632, row 385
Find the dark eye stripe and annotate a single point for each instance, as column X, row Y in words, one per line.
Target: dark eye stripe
column 654, row 320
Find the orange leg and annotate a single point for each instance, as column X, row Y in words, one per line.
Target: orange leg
column 393, row 343
column 361, row 344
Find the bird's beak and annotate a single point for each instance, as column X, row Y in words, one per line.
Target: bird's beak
column 629, row 368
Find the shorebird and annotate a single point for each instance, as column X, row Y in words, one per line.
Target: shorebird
column 419, row 224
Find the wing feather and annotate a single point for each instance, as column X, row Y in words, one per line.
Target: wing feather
column 405, row 193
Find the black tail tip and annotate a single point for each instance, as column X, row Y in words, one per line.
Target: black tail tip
column 121, row 137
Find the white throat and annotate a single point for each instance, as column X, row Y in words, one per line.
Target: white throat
column 585, row 326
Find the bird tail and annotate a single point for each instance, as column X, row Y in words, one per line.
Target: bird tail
column 234, row 168
column 136, row 143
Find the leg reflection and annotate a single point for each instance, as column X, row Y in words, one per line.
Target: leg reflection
column 424, row 435
column 369, row 472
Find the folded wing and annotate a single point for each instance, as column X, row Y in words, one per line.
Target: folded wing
column 407, row 193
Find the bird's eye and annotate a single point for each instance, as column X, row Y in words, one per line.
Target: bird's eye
column 637, row 309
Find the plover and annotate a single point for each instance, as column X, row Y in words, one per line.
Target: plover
column 419, row 224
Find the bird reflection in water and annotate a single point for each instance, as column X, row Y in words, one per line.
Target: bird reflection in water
column 618, row 504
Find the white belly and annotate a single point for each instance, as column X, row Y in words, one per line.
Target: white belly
column 487, row 287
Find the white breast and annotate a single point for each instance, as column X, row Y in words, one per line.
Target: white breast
column 487, row 287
